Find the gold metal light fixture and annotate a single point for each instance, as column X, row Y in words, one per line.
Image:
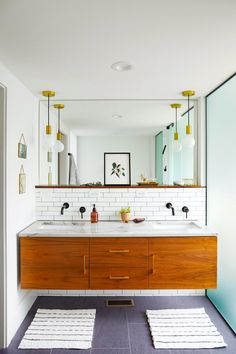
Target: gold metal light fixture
column 59, row 146
column 49, row 138
column 188, row 141
column 177, row 147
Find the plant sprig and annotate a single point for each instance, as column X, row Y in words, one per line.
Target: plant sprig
column 118, row 170
column 125, row 210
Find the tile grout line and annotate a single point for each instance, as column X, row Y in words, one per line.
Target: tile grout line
column 128, row 331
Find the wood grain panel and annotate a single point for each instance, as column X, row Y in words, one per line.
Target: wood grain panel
column 54, row 263
column 119, row 251
column 183, row 262
column 105, row 277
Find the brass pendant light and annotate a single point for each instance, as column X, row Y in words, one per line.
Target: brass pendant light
column 177, row 147
column 188, row 141
column 59, row 146
column 49, row 138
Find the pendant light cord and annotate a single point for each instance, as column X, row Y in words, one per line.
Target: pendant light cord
column 59, row 121
column 48, row 109
column 188, row 111
column 176, row 128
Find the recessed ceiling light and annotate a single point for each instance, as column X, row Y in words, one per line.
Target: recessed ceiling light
column 117, row 116
column 121, row 66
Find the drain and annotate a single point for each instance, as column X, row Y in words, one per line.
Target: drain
column 120, row 303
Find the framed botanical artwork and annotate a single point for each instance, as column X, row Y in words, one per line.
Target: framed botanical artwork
column 22, row 148
column 117, row 169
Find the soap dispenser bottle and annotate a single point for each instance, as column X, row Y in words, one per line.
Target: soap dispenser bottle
column 94, row 215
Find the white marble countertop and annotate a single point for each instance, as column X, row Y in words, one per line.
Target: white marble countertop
column 115, row 229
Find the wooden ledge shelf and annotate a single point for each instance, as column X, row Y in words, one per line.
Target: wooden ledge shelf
column 132, row 186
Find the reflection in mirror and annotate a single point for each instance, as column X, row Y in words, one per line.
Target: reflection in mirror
column 143, row 128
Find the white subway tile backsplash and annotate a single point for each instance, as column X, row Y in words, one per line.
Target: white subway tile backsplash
column 149, row 203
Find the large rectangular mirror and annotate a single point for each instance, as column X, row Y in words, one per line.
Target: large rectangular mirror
column 142, row 128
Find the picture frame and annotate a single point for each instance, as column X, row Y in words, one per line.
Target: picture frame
column 117, row 169
column 22, row 148
column 22, row 181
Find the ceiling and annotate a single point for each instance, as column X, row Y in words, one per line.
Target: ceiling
column 138, row 117
column 69, row 46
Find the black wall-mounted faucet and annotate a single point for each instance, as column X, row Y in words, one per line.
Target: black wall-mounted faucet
column 185, row 210
column 82, row 211
column 64, row 206
column 170, row 206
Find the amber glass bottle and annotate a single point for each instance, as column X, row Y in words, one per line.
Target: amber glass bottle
column 94, row 215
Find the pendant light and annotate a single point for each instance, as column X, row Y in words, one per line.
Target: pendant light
column 188, row 141
column 48, row 137
column 177, row 147
column 59, row 146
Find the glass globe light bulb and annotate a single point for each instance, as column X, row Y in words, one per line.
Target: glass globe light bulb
column 177, row 147
column 49, row 141
column 188, row 141
column 59, row 146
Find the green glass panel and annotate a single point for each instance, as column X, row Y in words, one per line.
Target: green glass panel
column 221, row 193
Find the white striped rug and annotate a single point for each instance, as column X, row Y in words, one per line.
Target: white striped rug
column 183, row 329
column 70, row 329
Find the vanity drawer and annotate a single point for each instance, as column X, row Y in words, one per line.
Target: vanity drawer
column 119, row 251
column 118, row 278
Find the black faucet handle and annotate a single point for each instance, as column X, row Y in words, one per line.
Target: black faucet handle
column 82, row 210
column 64, row 206
column 170, row 206
column 185, row 210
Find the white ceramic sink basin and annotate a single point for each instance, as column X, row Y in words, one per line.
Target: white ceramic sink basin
column 58, row 225
column 175, row 226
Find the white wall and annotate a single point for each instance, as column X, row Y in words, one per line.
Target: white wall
column 2, row 217
column 91, row 150
column 22, row 112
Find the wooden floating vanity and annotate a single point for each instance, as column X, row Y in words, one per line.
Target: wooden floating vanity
column 188, row 262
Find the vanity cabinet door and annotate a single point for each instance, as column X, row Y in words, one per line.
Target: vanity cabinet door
column 182, row 262
column 54, row 263
column 119, row 263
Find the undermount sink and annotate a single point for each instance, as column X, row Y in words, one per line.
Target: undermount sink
column 58, row 225
column 175, row 226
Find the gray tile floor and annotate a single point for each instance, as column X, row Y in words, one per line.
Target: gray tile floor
column 124, row 330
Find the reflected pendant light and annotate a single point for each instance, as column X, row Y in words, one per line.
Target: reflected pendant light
column 59, row 146
column 188, row 141
column 48, row 137
column 177, row 147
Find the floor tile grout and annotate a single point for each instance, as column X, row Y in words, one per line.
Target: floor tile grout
column 126, row 315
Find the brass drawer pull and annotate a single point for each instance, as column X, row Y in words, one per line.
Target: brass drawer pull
column 153, row 264
column 85, row 271
column 119, row 251
column 118, row 278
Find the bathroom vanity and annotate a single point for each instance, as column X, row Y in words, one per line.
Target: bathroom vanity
column 113, row 255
